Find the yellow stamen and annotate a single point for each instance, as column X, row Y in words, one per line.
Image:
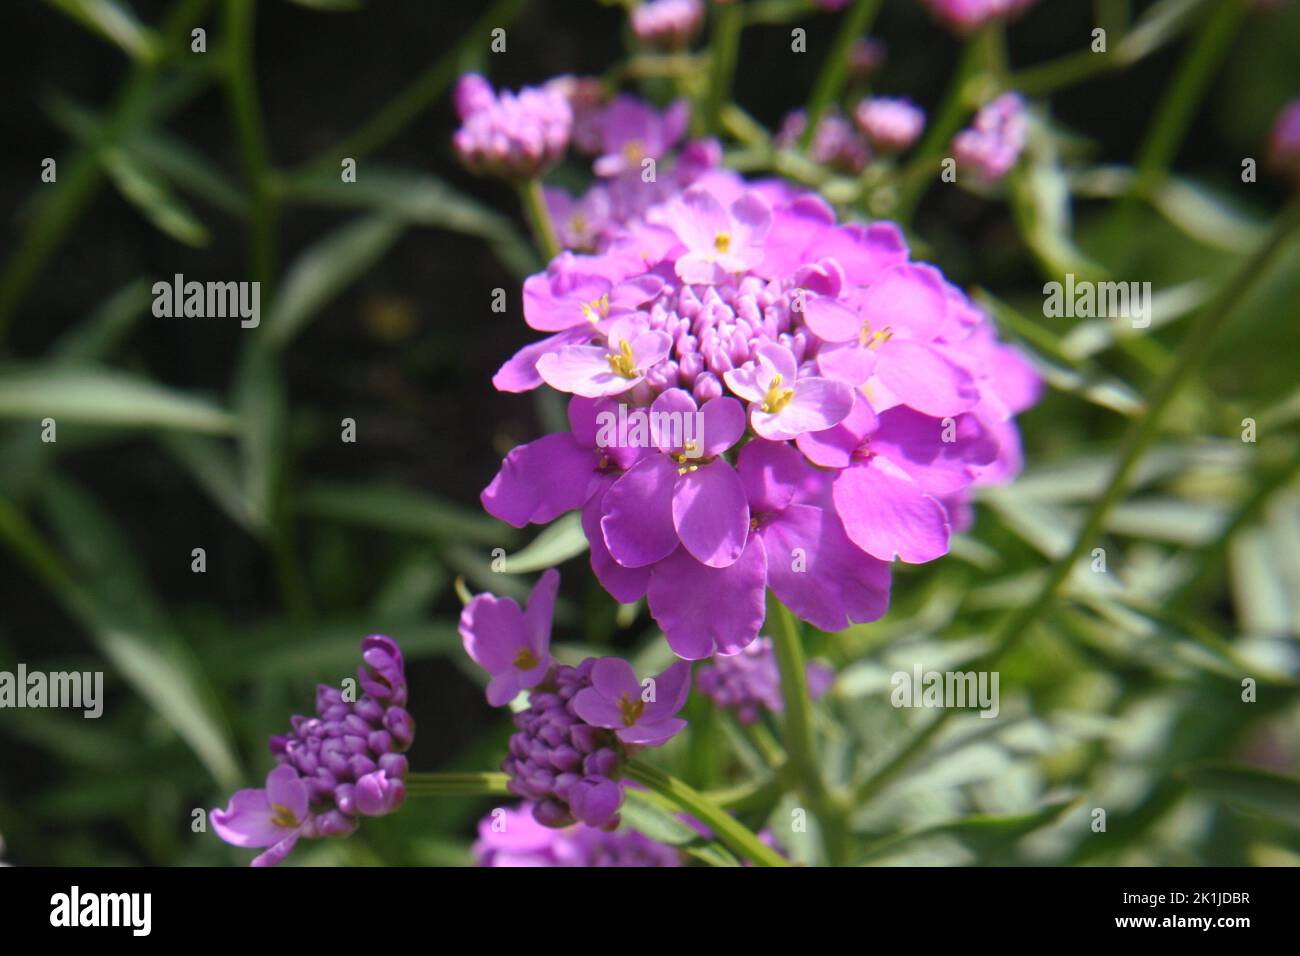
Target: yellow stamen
column 634, row 151
column 630, row 709
column 722, row 242
column 623, row 363
column 777, row 397
column 596, row 309
column 525, row 659
column 282, row 816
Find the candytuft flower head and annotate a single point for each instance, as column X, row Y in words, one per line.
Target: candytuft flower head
column 513, row 837
column 877, row 396
column 510, row 135
column 892, row 124
column 967, row 16
column 569, row 749
column 513, row 646
column 667, row 24
column 835, row 143
column 993, row 142
column 344, row 763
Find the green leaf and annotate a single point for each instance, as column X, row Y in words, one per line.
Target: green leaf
column 150, row 194
column 326, row 269
column 1250, row 789
column 644, row 813
column 114, row 22
column 562, row 540
column 213, row 466
column 90, row 395
column 984, row 836
column 398, row 509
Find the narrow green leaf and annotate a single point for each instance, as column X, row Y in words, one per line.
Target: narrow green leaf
column 91, row 395
column 399, row 509
column 1251, row 789
column 561, row 540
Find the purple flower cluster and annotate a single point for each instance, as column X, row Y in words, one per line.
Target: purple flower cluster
column 1284, row 141
column 749, row 683
column 581, row 723
column 623, row 134
column 993, row 142
column 667, row 24
column 891, row 124
column 835, row 144
column 344, row 763
column 967, row 16
column 513, row 837
column 815, row 401
column 511, row 135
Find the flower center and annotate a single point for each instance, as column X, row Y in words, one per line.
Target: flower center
column 525, row 659
column 623, row 363
column 722, row 242
column 634, row 151
column 596, row 309
column 873, row 340
column 777, row 397
column 630, row 709
column 282, row 816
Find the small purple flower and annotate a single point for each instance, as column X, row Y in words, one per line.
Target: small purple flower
column 632, row 131
column 783, row 404
column 513, row 837
column 892, row 124
column 512, row 136
column 667, row 24
column 993, row 142
column 272, row 817
column 719, row 241
column 629, row 351
column 749, row 683
column 618, row 702
column 344, row 763
column 513, row 646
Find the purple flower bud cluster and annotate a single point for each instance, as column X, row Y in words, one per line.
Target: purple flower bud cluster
column 667, row 24
column 835, row 143
column 567, row 767
column 993, row 142
column 967, row 16
column 346, row 762
column 513, row 837
column 749, row 683
column 511, row 135
column 891, row 124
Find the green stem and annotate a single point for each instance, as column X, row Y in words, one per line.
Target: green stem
column 728, row 21
column 800, row 742
column 728, row 829
column 456, row 784
column 920, row 170
column 830, row 81
column 534, row 203
column 246, row 114
column 1176, row 111
column 1141, row 433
